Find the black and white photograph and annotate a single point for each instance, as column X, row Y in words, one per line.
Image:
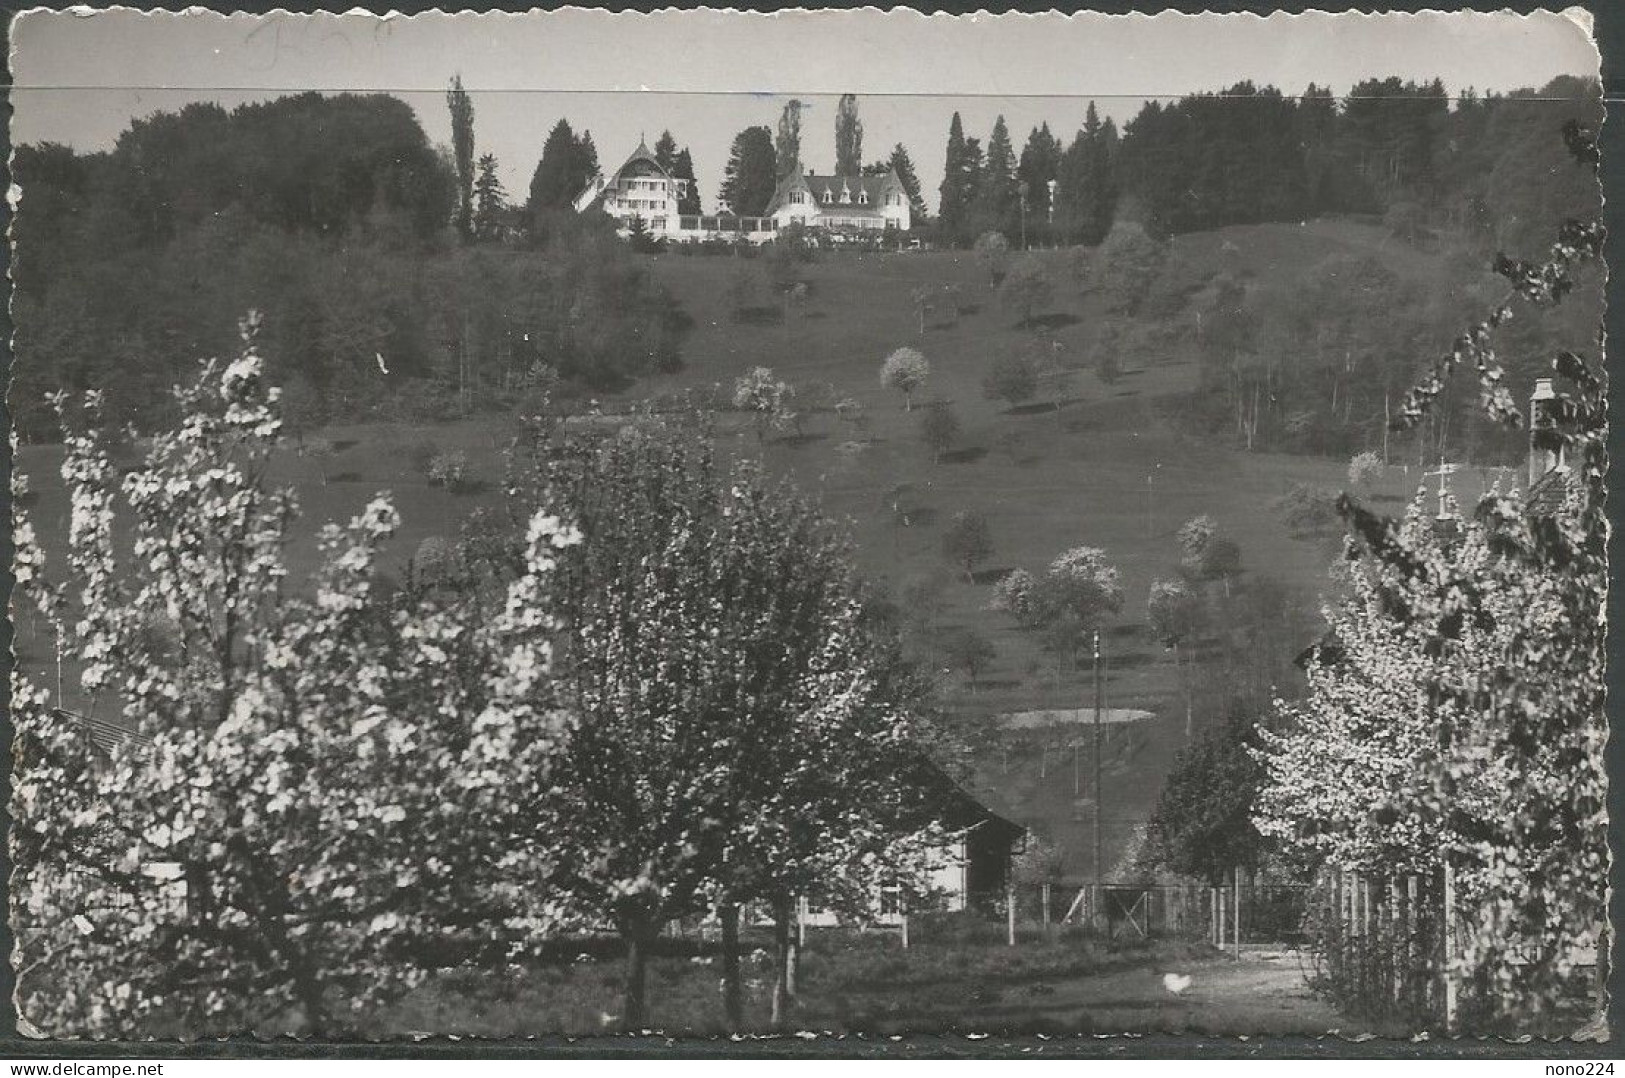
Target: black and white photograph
column 705, row 524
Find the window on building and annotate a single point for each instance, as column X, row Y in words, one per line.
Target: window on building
column 658, row 224
column 863, row 198
column 829, row 196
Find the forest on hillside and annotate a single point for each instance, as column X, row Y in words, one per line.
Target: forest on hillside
column 371, row 251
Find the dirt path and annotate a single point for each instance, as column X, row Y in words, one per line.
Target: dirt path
column 1262, row 993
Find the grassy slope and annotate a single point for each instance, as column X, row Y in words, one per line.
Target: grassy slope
column 1046, row 480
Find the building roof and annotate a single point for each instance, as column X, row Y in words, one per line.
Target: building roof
column 875, row 186
column 104, row 736
column 641, row 154
column 956, row 808
column 1548, row 494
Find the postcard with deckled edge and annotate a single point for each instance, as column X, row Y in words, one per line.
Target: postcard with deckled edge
column 705, row 522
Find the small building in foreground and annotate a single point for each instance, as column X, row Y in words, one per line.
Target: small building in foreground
column 972, row 868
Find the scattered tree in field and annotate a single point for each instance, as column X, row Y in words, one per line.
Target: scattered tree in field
column 1202, row 825
column 1069, row 602
column 1364, row 470
column 992, row 252
column 766, row 397
column 1013, row 378
column 967, row 650
column 939, row 427
column 848, row 137
column 1018, row 594
column 359, row 771
column 923, row 298
column 763, row 762
column 905, row 370
column 1205, row 554
column 1307, row 509
column 1175, row 613
column 968, row 541
column 787, row 143
column 749, row 179
column 1127, row 264
column 1027, row 288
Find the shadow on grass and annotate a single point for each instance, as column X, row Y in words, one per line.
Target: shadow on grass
column 1058, row 320
column 1043, row 407
column 797, row 440
column 341, row 444
column 968, row 455
column 344, row 477
column 991, row 576
column 758, row 316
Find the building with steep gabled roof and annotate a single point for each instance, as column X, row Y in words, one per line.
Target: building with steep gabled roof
column 865, row 203
column 641, row 189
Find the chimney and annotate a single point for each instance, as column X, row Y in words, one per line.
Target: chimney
column 1542, row 405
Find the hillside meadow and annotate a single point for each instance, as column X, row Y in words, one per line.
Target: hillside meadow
column 1105, row 463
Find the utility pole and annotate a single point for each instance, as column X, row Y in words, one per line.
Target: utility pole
column 1100, row 800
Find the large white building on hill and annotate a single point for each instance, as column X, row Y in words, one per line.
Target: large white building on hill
column 865, row 203
column 643, row 190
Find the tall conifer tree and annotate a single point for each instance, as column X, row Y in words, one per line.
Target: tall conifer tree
column 848, row 137
column 462, row 151
column 787, row 145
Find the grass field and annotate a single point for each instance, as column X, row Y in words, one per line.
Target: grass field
column 1087, row 463
column 868, row 983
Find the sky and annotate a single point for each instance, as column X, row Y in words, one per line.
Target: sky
column 81, row 76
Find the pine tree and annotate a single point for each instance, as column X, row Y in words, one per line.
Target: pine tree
column 554, row 184
column 848, row 137
column 749, row 180
column 1040, row 162
column 787, row 145
column 953, row 202
column 490, row 200
column 462, row 150
column 666, row 151
column 997, row 199
column 1086, row 186
column 586, row 158
column 683, row 169
column 904, row 167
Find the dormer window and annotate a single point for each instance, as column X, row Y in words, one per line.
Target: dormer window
column 829, row 196
column 863, row 198
column 846, row 195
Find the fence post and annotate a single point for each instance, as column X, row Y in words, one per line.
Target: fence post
column 1449, row 946
column 1236, row 873
column 1010, row 912
column 1046, row 910
column 801, row 921
column 904, row 921
column 1213, row 915
column 1392, row 949
column 1412, row 927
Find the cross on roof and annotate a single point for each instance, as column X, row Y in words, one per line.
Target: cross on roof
column 1441, row 471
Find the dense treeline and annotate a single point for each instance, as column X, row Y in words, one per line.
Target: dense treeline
column 1491, row 165
column 338, row 219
